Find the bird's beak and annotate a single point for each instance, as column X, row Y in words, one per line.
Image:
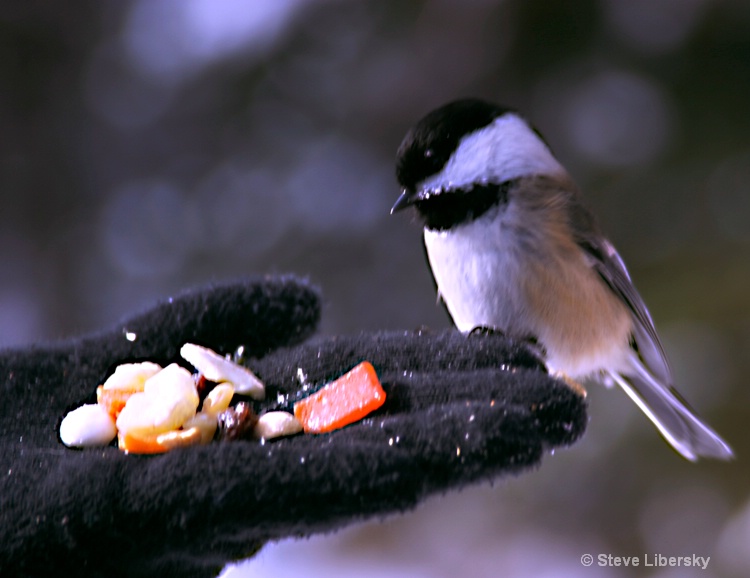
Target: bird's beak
column 407, row 198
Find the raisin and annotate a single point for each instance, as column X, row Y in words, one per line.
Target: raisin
column 237, row 422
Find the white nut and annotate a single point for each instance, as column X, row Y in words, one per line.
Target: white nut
column 168, row 399
column 275, row 424
column 205, row 423
column 214, row 367
column 131, row 375
column 180, row 438
column 218, row 399
column 88, row 426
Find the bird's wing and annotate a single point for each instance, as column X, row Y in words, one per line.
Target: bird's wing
column 605, row 260
column 649, row 383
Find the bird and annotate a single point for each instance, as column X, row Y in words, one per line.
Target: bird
column 513, row 248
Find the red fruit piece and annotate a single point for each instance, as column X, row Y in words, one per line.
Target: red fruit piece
column 344, row 401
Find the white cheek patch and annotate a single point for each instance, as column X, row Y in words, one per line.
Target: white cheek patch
column 505, row 150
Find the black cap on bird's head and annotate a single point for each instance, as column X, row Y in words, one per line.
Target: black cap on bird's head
column 430, row 143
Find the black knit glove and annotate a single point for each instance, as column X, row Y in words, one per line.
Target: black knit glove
column 458, row 410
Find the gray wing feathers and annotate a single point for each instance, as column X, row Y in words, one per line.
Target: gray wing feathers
column 605, row 260
column 611, row 269
column 650, row 383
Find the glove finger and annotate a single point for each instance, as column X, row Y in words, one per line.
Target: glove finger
column 260, row 314
column 440, row 370
column 554, row 414
column 484, row 379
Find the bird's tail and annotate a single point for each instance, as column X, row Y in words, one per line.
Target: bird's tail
column 671, row 415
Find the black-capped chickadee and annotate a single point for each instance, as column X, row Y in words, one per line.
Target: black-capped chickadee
column 513, row 248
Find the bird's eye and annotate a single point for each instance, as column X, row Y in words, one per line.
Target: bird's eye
column 428, row 153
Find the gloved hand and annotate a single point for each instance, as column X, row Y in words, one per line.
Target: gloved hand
column 458, row 410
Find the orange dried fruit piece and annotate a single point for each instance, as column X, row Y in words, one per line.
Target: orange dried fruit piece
column 139, row 445
column 113, row 400
column 344, row 401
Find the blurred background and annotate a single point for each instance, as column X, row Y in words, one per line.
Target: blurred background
column 152, row 145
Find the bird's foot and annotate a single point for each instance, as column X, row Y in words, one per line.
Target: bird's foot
column 486, row 330
column 529, row 341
